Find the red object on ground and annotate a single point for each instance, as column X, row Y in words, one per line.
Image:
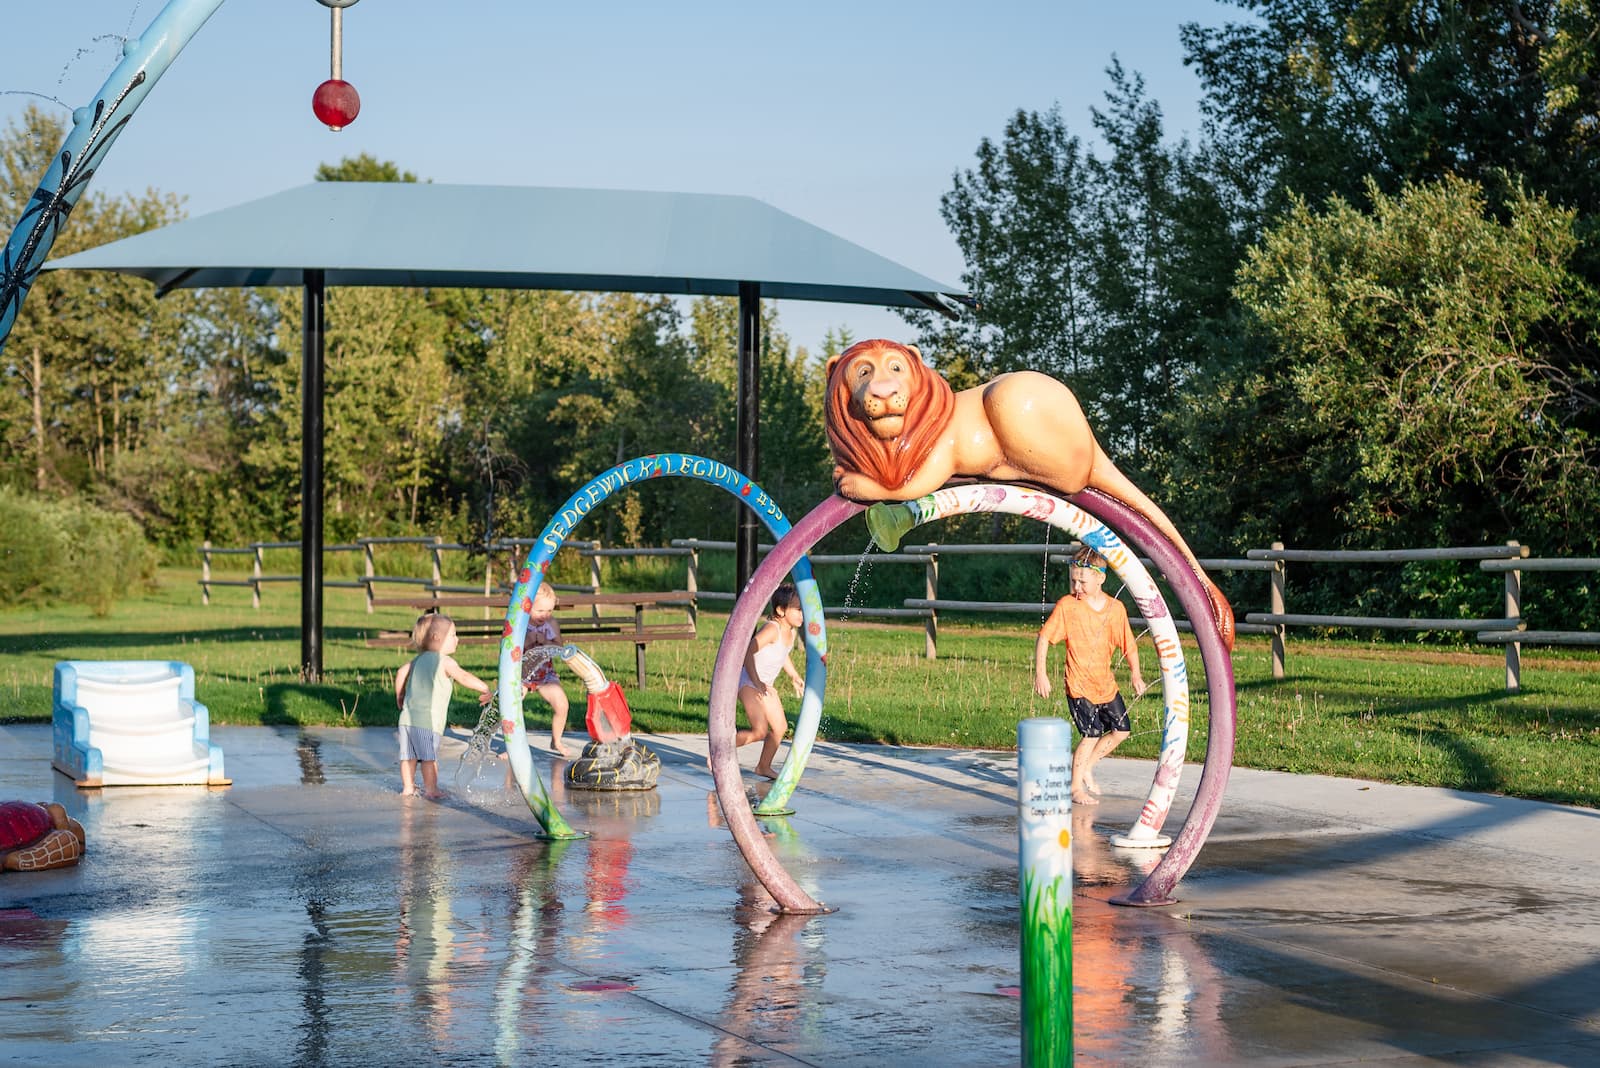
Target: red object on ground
column 34, row 837
column 336, row 103
column 22, row 823
column 608, row 717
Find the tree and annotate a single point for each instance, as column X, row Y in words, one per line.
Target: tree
column 1020, row 219
column 796, row 464
column 1311, row 97
column 24, row 156
column 515, row 353
column 363, row 168
column 389, row 395
column 790, row 428
column 1160, row 255
column 793, row 458
column 1411, row 393
column 1107, row 267
column 95, row 365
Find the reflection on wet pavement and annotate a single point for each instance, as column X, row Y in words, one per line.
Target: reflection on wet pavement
column 309, row 915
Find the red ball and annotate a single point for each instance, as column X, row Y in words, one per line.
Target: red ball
column 336, row 104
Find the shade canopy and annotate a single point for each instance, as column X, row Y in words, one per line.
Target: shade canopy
column 511, row 237
column 422, row 234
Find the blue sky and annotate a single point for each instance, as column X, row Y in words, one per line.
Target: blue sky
column 852, row 116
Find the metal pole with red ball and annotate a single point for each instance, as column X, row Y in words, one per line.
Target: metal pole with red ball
column 336, row 102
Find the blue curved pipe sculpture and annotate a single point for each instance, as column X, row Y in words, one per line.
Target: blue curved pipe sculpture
column 94, row 130
column 568, row 516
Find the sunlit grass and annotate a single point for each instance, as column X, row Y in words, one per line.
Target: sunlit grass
column 1432, row 716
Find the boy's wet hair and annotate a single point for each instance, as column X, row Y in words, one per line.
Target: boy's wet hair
column 431, row 631
column 1087, row 557
column 783, row 597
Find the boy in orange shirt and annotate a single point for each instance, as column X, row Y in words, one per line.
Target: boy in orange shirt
column 1092, row 625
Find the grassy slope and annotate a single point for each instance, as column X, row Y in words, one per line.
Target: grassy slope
column 1387, row 712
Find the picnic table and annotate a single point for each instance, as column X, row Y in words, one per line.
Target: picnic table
column 608, row 620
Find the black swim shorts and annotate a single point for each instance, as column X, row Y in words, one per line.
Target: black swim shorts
column 1094, row 720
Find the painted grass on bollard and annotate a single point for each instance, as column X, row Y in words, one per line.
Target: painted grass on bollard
column 1046, row 972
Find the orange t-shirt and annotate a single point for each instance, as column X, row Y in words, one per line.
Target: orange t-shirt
column 1090, row 636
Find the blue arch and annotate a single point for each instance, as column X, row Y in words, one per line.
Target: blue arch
column 566, row 518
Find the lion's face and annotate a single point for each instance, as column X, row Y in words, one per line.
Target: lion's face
column 880, row 384
column 885, row 410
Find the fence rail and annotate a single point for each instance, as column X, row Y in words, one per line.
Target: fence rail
column 371, row 580
column 1509, row 560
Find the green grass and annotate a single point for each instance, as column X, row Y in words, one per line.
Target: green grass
column 1393, row 712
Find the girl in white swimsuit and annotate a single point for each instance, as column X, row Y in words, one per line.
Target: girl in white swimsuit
column 767, row 655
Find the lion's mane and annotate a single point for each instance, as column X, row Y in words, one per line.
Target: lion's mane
column 856, row 448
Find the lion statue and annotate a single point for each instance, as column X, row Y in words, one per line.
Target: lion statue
column 898, row 432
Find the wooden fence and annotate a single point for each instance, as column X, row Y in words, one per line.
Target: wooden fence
column 1510, row 623
column 506, row 551
column 1510, row 560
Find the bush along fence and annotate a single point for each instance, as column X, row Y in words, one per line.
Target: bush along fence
column 1510, row 560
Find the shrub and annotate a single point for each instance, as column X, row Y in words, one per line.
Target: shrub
column 69, row 550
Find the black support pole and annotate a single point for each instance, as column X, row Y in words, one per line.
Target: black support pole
column 311, row 352
column 747, row 437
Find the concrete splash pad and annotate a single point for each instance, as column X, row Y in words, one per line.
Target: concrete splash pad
column 308, row 915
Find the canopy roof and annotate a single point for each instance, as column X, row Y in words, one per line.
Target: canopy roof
column 422, row 234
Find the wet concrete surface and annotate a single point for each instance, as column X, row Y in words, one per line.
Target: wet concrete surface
column 310, row 915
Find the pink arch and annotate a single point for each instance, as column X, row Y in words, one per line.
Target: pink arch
column 1137, row 531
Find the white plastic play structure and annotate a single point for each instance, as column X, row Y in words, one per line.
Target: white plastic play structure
column 132, row 723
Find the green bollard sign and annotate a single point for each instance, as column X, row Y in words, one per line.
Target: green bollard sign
column 1044, row 838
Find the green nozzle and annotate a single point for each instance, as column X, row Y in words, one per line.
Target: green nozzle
column 888, row 523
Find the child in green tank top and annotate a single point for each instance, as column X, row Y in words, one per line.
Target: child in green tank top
column 422, row 690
